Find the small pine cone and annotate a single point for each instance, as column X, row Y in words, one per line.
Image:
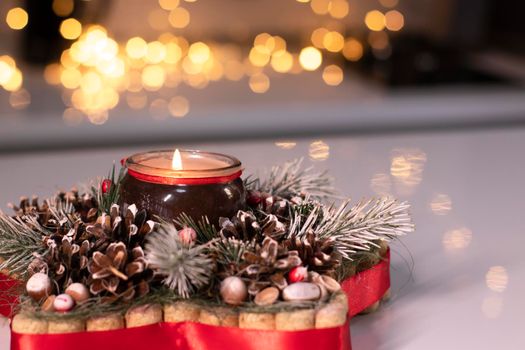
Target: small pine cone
column 268, row 203
column 317, row 254
column 243, row 226
column 267, row 265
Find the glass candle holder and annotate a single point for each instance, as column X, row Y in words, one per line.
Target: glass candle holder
column 196, row 183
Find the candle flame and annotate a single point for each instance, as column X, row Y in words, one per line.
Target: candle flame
column 176, row 163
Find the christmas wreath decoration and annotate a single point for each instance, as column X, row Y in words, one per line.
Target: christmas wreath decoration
column 87, row 262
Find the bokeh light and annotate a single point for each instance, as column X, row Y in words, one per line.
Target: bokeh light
column 179, row 106
column 17, row 18
column 394, row 20
column 259, row 83
column 353, row 50
column 375, row 20
column 310, row 58
column 319, row 150
column 179, row 17
column 333, row 41
column 63, row 8
column 332, row 75
column 70, row 29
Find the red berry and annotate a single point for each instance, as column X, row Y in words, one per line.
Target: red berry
column 297, row 274
column 254, row 198
column 106, row 185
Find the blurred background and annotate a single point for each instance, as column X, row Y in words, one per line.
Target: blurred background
column 88, row 73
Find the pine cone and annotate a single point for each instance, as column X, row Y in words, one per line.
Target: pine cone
column 243, row 226
column 268, row 203
column 132, row 227
column 118, row 273
column 268, row 265
column 317, row 254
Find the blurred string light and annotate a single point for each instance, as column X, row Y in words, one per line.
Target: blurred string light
column 98, row 72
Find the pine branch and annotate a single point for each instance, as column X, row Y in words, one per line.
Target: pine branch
column 20, row 241
column 291, row 179
column 204, row 229
column 106, row 200
column 230, row 251
column 357, row 228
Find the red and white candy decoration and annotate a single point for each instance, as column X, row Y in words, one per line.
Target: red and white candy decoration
column 298, row 274
column 63, row 303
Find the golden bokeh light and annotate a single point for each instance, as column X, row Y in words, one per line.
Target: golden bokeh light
column 497, row 279
column 70, row 78
column 339, row 8
column 173, row 53
column 70, row 29
column 179, row 18
column 333, row 41
column 259, row 83
column 19, row 99
column 199, row 52
column 6, row 71
column 136, row 47
column 258, row 58
column 153, row 77
column 375, row 20
column 333, row 75
column 91, row 83
column 353, row 50
column 17, row 18
column 286, row 144
column 407, row 166
column 320, row 7
column 52, row 74
column 319, row 150
column 457, row 239
column 155, row 52
column 179, row 106
column 15, row 81
column 394, row 20
column 63, row 8
column 282, row 61
column 99, row 117
column 310, row 58
column 317, row 37
column 441, row 204
column 169, row 4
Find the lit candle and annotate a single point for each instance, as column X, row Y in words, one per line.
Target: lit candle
column 197, row 183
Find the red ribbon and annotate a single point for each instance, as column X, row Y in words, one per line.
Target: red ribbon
column 8, row 299
column 367, row 287
column 363, row 290
column 188, row 336
column 165, row 180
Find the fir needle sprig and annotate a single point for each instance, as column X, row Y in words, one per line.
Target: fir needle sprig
column 356, row 228
column 185, row 267
column 106, row 200
column 21, row 239
column 291, row 179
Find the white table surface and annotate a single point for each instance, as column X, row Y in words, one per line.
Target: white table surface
column 464, row 290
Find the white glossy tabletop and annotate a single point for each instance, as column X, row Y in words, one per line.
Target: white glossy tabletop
column 465, row 289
